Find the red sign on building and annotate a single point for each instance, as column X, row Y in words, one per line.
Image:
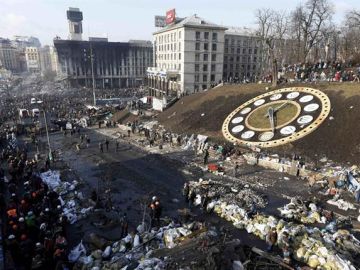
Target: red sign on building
column 170, row 16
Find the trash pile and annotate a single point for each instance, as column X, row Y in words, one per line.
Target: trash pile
column 230, row 193
column 71, row 200
column 307, row 214
column 309, row 245
column 136, row 250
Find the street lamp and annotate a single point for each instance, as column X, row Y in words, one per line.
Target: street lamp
column 91, row 56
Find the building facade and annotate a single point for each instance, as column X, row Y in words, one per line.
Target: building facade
column 242, row 60
column 8, row 56
column 113, row 64
column 32, row 57
column 188, row 57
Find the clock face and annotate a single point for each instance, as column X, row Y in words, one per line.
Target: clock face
column 277, row 117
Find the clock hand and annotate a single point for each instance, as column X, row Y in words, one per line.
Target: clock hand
column 271, row 118
column 278, row 108
column 281, row 106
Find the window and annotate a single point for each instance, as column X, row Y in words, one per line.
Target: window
column 179, row 34
column 197, row 35
column 206, row 57
column 250, row 51
column 214, row 47
column 213, row 57
column 206, row 46
column 212, row 78
column 179, row 46
column 225, row 58
column 244, row 51
column 197, row 67
column 204, row 86
column 197, row 78
column 238, row 50
column 206, row 35
column 197, row 46
column 226, row 41
column 197, row 57
column 213, row 67
column 214, row 36
column 255, row 51
column 205, row 67
column 226, row 50
column 179, row 66
column 232, row 50
column 179, row 56
column 196, row 88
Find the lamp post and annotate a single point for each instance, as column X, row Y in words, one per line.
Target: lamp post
column 92, row 72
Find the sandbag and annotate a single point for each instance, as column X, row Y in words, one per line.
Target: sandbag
column 77, row 252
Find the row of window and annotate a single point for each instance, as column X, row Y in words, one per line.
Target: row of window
column 171, row 56
column 205, row 46
column 243, row 58
column 204, row 78
column 169, row 47
column 32, row 56
column 205, row 36
column 170, row 66
column 232, row 50
column 244, row 43
column 237, row 67
column 166, row 38
column 205, row 67
column 205, row 57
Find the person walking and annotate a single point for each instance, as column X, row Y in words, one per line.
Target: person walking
column 117, row 146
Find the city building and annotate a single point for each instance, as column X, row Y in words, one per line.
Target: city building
column 242, row 61
column 32, row 59
column 114, row 64
column 189, row 57
column 21, row 42
column 110, row 64
column 75, row 18
column 8, row 56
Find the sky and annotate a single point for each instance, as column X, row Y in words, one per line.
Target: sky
column 121, row 20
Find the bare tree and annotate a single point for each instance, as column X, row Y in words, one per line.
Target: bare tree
column 272, row 30
column 353, row 18
column 311, row 20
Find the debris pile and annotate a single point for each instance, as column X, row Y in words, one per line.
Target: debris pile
column 136, row 250
column 310, row 245
column 71, row 200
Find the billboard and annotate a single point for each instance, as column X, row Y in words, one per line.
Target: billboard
column 170, row 16
column 160, row 21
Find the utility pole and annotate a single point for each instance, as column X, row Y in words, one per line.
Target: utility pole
column 92, row 72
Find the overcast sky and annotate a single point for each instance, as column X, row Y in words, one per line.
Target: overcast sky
column 121, row 20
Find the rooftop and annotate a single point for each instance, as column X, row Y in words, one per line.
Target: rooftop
column 192, row 21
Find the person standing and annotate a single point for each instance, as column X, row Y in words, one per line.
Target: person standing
column 206, row 156
column 117, row 146
column 271, row 239
column 107, row 144
column 101, row 147
column 124, row 225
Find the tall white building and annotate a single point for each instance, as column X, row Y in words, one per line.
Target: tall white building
column 188, row 57
column 32, row 57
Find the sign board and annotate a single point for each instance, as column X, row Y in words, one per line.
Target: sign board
column 160, row 21
column 170, row 16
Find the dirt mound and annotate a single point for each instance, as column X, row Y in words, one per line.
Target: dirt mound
column 337, row 138
column 124, row 116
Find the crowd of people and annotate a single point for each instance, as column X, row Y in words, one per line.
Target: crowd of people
column 35, row 227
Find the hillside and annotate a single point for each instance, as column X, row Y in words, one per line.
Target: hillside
column 337, row 138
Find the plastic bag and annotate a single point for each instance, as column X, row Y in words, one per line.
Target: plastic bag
column 77, row 252
column 106, row 252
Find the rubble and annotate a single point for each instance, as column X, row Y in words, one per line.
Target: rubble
column 310, row 245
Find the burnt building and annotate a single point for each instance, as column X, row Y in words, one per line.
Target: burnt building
column 115, row 64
